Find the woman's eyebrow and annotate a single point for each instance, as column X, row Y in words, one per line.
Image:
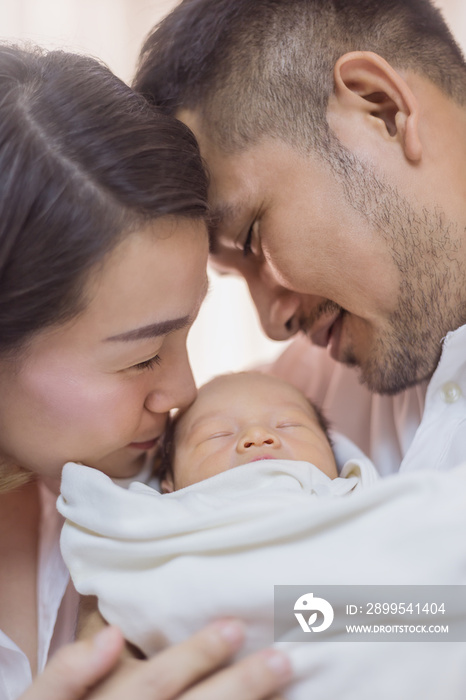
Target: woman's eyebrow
column 153, row 330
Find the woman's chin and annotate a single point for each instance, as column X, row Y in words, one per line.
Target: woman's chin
column 120, row 465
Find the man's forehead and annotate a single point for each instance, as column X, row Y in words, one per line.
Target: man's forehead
column 233, row 185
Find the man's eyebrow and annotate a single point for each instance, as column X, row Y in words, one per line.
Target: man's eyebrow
column 220, row 214
column 154, row 330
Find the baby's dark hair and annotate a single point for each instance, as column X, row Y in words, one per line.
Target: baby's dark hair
column 166, row 450
column 166, row 453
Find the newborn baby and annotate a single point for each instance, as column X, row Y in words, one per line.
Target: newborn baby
column 239, row 419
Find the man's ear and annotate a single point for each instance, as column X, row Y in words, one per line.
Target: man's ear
column 167, row 485
column 366, row 84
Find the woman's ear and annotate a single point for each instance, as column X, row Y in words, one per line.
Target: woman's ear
column 167, row 485
column 366, row 85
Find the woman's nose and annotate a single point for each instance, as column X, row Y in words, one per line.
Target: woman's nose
column 257, row 436
column 176, row 389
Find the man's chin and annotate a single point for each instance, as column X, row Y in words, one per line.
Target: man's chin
column 389, row 380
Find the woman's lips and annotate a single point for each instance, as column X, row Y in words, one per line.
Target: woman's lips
column 144, row 446
column 258, row 459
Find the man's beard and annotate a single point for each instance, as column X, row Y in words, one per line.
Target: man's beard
column 424, row 247
column 397, row 358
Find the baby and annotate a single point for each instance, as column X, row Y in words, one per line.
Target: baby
column 242, row 418
column 251, row 447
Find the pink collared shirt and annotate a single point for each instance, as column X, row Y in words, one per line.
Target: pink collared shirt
column 421, row 428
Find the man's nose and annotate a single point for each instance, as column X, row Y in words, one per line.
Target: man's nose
column 278, row 309
column 257, row 436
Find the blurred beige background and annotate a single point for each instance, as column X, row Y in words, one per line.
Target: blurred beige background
column 226, row 335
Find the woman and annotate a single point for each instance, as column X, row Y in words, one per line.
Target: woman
column 102, row 271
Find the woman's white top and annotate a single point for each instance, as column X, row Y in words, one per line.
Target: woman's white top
column 57, row 605
column 57, row 599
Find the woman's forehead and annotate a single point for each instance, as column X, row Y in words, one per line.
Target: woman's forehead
column 150, row 278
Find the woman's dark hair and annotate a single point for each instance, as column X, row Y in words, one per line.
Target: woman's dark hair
column 83, row 161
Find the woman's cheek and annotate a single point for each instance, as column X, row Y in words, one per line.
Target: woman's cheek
column 74, row 403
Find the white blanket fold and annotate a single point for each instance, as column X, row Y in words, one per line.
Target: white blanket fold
column 162, row 566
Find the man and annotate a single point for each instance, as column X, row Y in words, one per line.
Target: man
column 334, row 133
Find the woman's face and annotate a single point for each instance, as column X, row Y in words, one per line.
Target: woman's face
column 97, row 389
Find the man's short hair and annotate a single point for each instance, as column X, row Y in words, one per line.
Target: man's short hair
column 265, row 67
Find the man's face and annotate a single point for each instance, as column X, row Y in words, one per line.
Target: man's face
column 242, row 418
column 346, row 260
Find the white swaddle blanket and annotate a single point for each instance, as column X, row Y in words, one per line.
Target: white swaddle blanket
column 162, row 566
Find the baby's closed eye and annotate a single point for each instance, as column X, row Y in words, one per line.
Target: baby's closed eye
column 219, row 435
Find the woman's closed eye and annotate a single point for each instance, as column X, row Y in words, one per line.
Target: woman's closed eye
column 148, row 364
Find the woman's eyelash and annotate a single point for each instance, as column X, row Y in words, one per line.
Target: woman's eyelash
column 247, row 249
column 148, row 364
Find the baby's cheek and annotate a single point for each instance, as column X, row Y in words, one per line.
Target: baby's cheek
column 220, row 459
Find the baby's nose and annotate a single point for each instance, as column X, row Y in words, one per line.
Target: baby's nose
column 257, row 436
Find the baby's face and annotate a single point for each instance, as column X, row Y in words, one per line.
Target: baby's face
column 243, row 418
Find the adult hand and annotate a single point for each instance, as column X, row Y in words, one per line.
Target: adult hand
column 188, row 671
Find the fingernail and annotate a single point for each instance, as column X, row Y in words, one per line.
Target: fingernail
column 232, row 631
column 279, row 663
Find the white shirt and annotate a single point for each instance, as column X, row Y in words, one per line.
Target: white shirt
column 57, row 605
column 57, row 598
column 421, row 428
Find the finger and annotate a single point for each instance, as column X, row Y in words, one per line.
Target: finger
column 255, row 678
column 77, row 667
column 173, row 670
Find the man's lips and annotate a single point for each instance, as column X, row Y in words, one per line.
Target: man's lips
column 145, row 445
column 321, row 331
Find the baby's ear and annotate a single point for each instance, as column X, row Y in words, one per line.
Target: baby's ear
column 167, row 485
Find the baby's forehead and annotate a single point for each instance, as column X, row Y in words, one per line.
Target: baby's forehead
column 228, row 394
column 247, row 386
